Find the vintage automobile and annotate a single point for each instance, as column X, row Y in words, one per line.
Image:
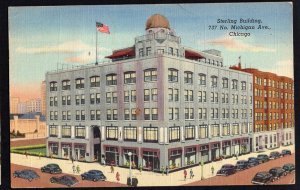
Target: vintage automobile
column 226, row 170
column 289, row 167
column 263, row 158
column 242, row 165
column 64, row 180
column 262, row 178
column 93, row 175
column 51, row 168
column 277, row 172
column 253, row 161
column 26, row 174
column 274, row 155
column 286, row 152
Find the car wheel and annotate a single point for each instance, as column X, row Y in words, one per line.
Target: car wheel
column 284, row 173
column 15, row 175
column 51, row 180
column 30, row 179
column 273, row 179
column 94, row 180
column 83, row 178
column 51, row 172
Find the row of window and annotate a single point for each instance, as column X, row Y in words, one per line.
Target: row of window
column 271, row 127
column 273, row 83
column 272, row 105
column 272, row 116
column 66, row 131
column 273, row 94
column 149, row 75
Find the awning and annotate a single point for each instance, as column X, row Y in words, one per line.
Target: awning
column 128, row 52
column 189, row 54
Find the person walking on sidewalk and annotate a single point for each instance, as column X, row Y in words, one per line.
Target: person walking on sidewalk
column 40, row 154
column 26, row 154
column 212, row 170
column 162, row 170
column 140, row 168
column 118, row 176
column 74, row 169
column 191, row 174
column 167, row 170
column 112, row 170
column 78, row 169
column 184, row 174
column 236, row 156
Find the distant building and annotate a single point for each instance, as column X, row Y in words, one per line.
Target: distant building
column 14, row 102
column 33, row 105
column 43, row 98
column 22, row 109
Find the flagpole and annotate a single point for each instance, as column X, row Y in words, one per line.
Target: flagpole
column 96, row 45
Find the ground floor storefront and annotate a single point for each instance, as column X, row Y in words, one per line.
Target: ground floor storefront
column 67, row 150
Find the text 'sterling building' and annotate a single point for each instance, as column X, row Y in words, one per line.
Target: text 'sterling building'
column 166, row 104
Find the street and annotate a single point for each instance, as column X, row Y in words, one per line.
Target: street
column 44, row 180
column 244, row 177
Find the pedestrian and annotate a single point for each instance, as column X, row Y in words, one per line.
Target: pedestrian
column 103, row 161
column 184, row 174
column 78, row 169
column 162, row 170
column 191, row 174
column 26, row 153
column 212, row 170
column 51, row 155
column 140, row 168
column 167, row 170
column 236, row 156
column 40, row 154
column 112, row 169
column 118, row 176
column 74, row 168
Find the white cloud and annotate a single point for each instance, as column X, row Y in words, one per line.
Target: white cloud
column 232, row 44
column 88, row 56
column 284, row 68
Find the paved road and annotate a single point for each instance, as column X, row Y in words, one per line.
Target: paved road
column 44, row 180
column 244, row 177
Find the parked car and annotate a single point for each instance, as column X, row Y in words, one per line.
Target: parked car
column 277, row 172
column 263, row 158
column 242, row 165
column 26, row 174
column 286, row 152
column 226, row 170
column 64, row 180
column 262, row 178
column 253, row 161
column 134, row 182
column 274, row 155
column 93, row 175
column 51, row 168
column 289, row 167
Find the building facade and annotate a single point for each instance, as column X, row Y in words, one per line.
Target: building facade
column 43, row 98
column 33, row 105
column 14, row 102
column 273, row 109
column 166, row 104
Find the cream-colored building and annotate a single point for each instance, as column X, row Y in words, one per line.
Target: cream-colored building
column 43, row 98
column 14, row 103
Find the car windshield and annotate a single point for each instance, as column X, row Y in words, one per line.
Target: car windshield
column 95, row 172
column 260, row 175
column 252, row 158
column 53, row 165
column 226, row 167
column 260, row 156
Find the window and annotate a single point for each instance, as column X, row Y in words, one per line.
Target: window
column 174, row 134
column 111, row 133
column 79, row 83
column 170, row 95
column 130, row 133
column 95, row 81
column 98, row 114
column 203, row 131
column 189, row 132
column 69, row 115
column 214, row 97
column 202, row 79
column 171, row 114
column 133, row 114
column 68, row 100
column 66, row 85
column 226, row 130
column 150, row 75
column 176, row 113
column 108, row 114
column 214, row 113
column 170, row 50
column 189, row 113
column 82, row 99
column 77, row 114
column 141, row 52
column 63, row 100
column 82, row 115
column 243, row 85
column 92, row 98
column 173, row 75
column 188, row 95
column 234, row 84
column 147, row 114
column 80, row 132
column 176, row 94
column 150, row 134
column 146, row 95
column 92, row 114
column 64, row 115
column 148, row 51
column 188, row 77
column 129, row 77
column 53, row 86
column 214, row 81
column 215, row 130
column 126, row 96
column 111, row 79
column 77, row 99
column 108, row 97
column 133, row 95
column 202, row 113
column 235, row 129
column 126, row 114
column 114, row 97
column 51, row 101
column 154, row 94
column 66, row 131
column 154, row 114
column 56, row 115
column 53, row 130
column 115, row 114
column 225, row 82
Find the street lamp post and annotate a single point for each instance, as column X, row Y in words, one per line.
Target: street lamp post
column 202, row 169
column 130, row 154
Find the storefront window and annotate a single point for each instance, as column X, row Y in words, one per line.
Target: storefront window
column 66, row 151
column 130, row 133
column 150, row 134
column 150, row 160
column 80, row 132
column 53, row 149
column 66, row 131
column 134, row 158
column 175, row 158
column 112, row 155
column 111, row 133
column 204, row 153
column 190, row 156
column 79, row 152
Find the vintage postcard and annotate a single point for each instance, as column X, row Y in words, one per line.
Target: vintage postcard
column 152, row 95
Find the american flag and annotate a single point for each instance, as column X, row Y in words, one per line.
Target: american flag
column 102, row 28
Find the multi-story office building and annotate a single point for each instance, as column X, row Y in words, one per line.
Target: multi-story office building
column 33, row 105
column 273, row 109
column 13, row 106
column 163, row 102
column 43, row 98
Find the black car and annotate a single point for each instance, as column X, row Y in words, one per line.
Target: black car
column 253, row 161
column 64, row 180
column 277, row 172
column 262, row 158
column 289, row 167
column 274, row 155
column 93, row 175
column 262, row 178
column 242, row 165
column 226, row 170
column 286, row 152
column 51, row 168
column 26, row 174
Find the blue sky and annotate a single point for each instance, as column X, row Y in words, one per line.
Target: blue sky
column 41, row 37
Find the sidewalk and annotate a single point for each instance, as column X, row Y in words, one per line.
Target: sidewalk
column 145, row 178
